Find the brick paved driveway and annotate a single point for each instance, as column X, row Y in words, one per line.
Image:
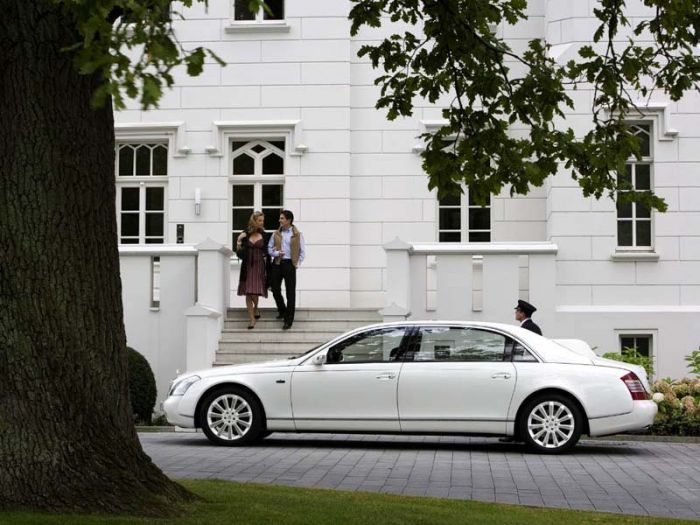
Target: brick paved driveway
column 661, row 479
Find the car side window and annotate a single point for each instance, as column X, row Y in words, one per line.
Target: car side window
column 375, row 346
column 521, row 354
column 445, row 343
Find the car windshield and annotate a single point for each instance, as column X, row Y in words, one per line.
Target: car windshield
column 307, row 352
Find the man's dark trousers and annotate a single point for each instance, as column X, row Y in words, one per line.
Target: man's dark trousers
column 285, row 271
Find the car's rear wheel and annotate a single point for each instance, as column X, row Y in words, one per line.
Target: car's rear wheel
column 231, row 417
column 551, row 424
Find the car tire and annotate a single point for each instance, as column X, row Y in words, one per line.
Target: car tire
column 550, row 424
column 231, row 417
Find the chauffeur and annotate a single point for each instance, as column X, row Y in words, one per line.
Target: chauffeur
column 523, row 312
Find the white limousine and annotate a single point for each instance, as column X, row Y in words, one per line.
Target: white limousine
column 429, row 377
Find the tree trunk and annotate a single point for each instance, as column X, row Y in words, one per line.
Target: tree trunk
column 67, row 439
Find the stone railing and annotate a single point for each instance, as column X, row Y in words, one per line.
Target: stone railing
column 175, row 298
column 450, row 274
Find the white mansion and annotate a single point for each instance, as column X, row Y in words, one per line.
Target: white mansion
column 290, row 122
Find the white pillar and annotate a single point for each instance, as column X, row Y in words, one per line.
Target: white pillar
column 202, row 337
column 398, row 276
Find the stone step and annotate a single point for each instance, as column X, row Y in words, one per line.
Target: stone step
column 354, row 314
column 317, row 325
column 277, row 335
column 239, row 359
column 266, row 347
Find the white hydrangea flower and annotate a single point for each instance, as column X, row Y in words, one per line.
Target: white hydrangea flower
column 658, row 397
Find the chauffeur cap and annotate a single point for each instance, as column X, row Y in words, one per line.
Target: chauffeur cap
column 525, row 307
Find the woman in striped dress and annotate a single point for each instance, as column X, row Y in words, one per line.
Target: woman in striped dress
column 251, row 248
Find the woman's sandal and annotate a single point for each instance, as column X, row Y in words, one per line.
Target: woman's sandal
column 257, row 314
column 251, row 326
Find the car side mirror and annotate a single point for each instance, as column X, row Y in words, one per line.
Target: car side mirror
column 319, row 359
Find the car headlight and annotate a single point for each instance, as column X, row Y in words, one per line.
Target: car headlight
column 180, row 387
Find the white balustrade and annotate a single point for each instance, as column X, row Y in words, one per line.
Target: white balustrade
column 455, row 267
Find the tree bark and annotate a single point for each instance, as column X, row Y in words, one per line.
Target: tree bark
column 67, row 439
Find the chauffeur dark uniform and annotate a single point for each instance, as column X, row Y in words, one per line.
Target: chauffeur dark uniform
column 528, row 310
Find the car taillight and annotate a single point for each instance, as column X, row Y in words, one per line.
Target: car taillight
column 635, row 387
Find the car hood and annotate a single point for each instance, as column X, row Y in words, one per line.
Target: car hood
column 246, row 368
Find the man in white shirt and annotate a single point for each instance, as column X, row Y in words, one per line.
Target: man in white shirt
column 286, row 247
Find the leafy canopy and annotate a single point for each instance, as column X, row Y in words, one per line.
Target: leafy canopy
column 504, row 122
column 132, row 46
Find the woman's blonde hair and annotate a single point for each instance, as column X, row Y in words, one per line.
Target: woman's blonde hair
column 252, row 226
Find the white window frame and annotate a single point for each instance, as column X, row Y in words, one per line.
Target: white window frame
column 257, row 180
column 142, row 212
column 260, row 24
column 633, row 161
column 464, row 208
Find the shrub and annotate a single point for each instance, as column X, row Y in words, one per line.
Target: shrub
column 631, row 356
column 694, row 362
column 142, row 386
column 679, row 407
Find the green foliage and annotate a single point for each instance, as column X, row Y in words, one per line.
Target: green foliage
column 142, row 386
column 631, row 356
column 504, row 114
column 679, row 407
column 132, row 46
column 694, row 362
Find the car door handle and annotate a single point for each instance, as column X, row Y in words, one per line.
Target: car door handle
column 386, row 376
column 501, row 375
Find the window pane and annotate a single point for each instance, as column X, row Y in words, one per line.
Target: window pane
column 479, row 236
column 643, row 211
column 374, row 346
column 624, row 233
column 154, row 199
column 278, row 144
column 521, row 354
column 154, row 224
column 471, row 200
column 644, row 135
column 155, row 240
column 272, row 218
column 643, row 344
column 450, row 237
column 458, row 344
column 237, row 145
column 243, row 165
column 240, row 218
column 130, row 224
column 479, row 218
column 258, row 148
column 642, row 177
column 625, row 179
column 160, row 160
column 130, row 199
column 272, row 195
column 643, row 233
column 242, row 12
column 273, row 165
column 143, row 160
column 277, row 8
column 624, row 209
column 626, row 342
column 243, row 195
column 450, row 200
column 450, row 219
column 126, row 160
column 129, row 241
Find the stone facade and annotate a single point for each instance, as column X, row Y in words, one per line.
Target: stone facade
column 354, row 179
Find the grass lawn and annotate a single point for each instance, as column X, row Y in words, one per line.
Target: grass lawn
column 247, row 503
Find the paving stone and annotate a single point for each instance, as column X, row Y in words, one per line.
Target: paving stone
column 659, row 479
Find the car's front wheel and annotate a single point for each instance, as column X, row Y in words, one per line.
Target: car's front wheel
column 231, row 417
column 551, row 424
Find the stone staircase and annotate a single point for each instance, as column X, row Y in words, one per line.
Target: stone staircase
column 312, row 326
